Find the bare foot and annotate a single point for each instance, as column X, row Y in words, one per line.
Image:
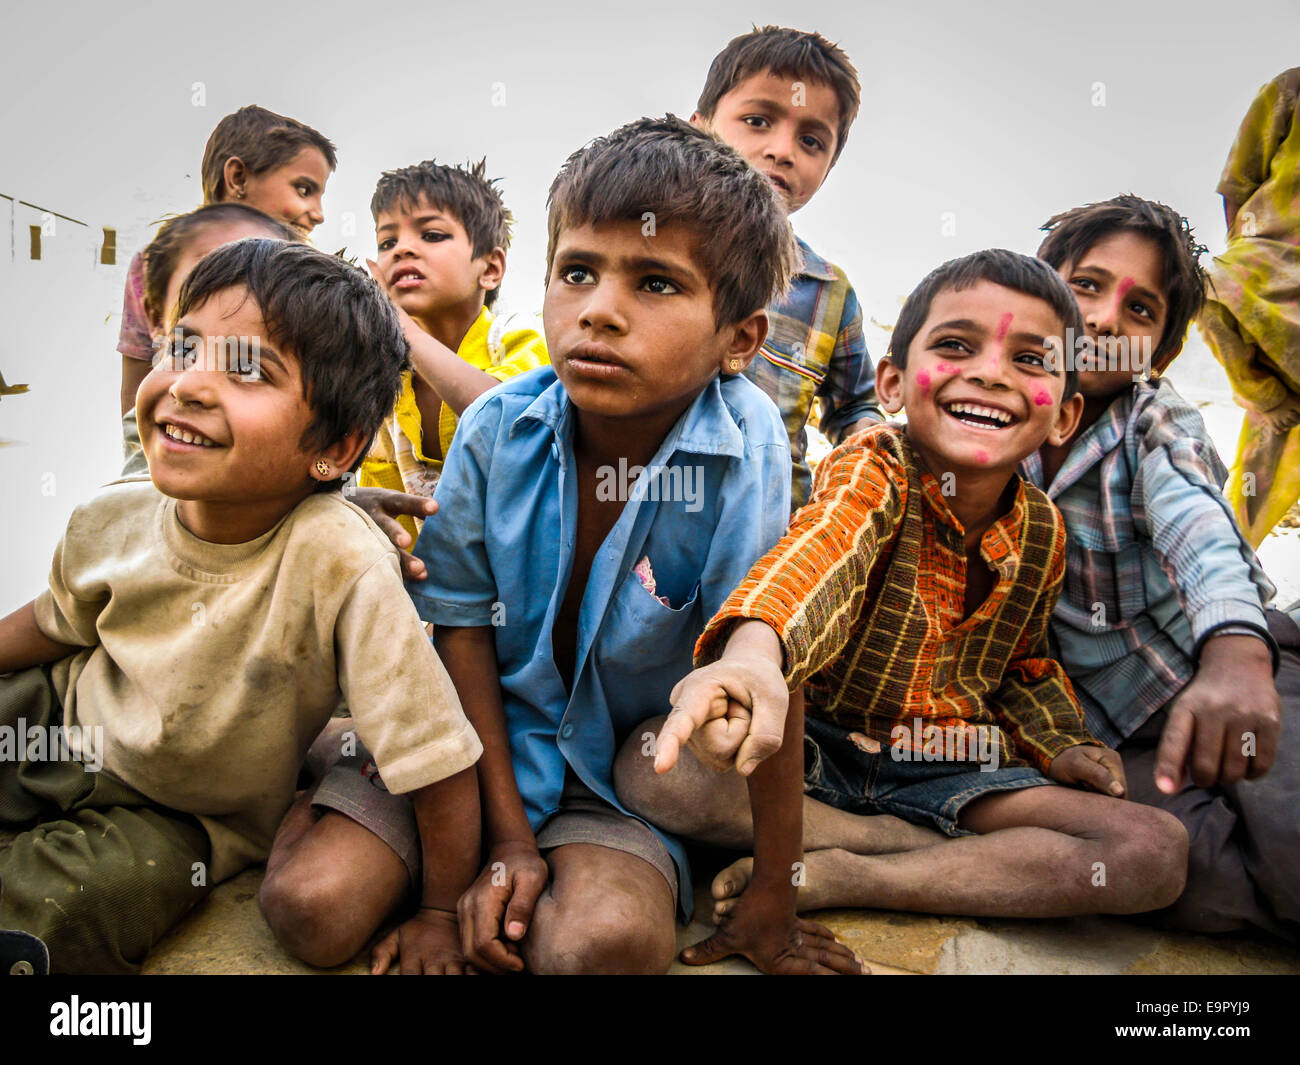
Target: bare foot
column 831, row 877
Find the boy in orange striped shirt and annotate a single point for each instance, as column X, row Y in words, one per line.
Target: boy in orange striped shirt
column 909, row 605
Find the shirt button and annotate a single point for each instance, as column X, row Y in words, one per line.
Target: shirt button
column 21, row 968
column 566, row 732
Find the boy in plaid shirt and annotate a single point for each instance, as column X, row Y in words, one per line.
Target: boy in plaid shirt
column 785, row 99
column 910, row 603
column 1164, row 627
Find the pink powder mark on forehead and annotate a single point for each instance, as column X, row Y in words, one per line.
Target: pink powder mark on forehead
column 982, row 457
column 1125, row 285
column 923, row 379
column 1004, row 325
column 1041, row 398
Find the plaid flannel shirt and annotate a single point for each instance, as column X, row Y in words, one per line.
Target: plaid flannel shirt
column 867, row 593
column 1155, row 562
column 816, row 352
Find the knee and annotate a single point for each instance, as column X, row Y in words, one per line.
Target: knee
column 638, row 787
column 303, row 909
column 1153, row 852
column 607, row 939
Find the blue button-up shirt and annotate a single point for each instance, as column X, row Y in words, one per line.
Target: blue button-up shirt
column 500, row 551
column 1155, row 563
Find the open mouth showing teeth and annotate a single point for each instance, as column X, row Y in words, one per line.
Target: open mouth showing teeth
column 186, row 437
column 407, row 275
column 979, row 416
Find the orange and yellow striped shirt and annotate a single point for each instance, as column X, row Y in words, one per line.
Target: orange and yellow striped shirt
column 867, row 592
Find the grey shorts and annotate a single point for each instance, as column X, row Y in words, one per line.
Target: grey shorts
column 353, row 786
column 584, row 817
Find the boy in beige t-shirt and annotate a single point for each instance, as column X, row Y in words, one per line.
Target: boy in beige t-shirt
column 199, row 629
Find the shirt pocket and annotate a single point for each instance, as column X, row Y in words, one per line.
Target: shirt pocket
column 646, row 647
column 791, row 348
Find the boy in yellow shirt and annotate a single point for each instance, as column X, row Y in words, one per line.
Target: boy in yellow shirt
column 442, row 233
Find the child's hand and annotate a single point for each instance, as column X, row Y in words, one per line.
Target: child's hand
column 383, row 506
column 731, row 713
column 428, row 944
column 764, row 928
column 1226, row 721
column 1285, row 416
column 498, row 907
column 1098, row 768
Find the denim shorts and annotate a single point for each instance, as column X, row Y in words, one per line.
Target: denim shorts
column 840, row 773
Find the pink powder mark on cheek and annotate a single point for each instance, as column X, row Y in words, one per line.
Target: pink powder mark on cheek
column 1041, row 398
column 946, row 367
column 1004, row 325
column 923, row 379
column 982, row 457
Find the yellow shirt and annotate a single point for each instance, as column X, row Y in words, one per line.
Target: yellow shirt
column 502, row 348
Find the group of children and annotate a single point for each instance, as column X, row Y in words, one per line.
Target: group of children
column 968, row 668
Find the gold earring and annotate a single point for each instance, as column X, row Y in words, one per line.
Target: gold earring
column 735, row 365
column 322, row 467
column 239, row 194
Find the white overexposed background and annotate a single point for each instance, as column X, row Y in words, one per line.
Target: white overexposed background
column 987, row 117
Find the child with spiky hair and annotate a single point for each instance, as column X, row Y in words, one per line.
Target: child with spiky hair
column 200, row 627
column 1163, row 625
column 443, row 232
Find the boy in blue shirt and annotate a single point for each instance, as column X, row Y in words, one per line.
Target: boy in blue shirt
column 785, row 100
column 591, row 518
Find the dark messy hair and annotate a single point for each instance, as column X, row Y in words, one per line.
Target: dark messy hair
column 174, row 235
column 262, row 140
column 1072, row 234
column 464, row 191
column 330, row 316
column 664, row 170
column 786, row 53
column 1010, row 269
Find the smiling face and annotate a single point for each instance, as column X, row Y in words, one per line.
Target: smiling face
column 1119, row 285
column 427, row 261
column 291, row 192
column 977, row 387
column 630, row 321
column 784, row 129
column 229, row 445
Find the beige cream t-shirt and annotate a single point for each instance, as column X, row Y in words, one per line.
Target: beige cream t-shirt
column 212, row 667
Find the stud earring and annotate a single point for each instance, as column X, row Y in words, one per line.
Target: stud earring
column 323, row 467
column 735, row 365
column 239, row 194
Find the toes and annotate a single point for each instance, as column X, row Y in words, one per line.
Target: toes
column 733, row 879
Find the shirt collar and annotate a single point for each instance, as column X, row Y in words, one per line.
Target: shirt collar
column 708, row 426
column 1000, row 544
column 813, row 265
column 476, row 336
column 1100, row 438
